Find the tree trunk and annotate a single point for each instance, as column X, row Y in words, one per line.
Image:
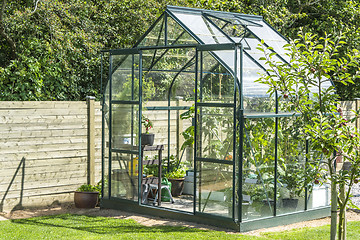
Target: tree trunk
column 333, row 210
column 342, row 214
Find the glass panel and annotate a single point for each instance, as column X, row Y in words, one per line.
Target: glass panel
column 256, row 98
column 231, row 27
column 215, row 133
column 182, row 90
column 271, row 38
column 291, row 166
column 256, row 54
column 177, row 35
column 258, row 168
column 207, row 33
column 214, row 184
column 161, row 73
column 124, row 176
column 217, row 83
column 125, row 125
column 319, row 195
column 125, row 78
column 156, row 37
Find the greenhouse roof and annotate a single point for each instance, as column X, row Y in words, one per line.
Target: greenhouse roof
column 180, row 26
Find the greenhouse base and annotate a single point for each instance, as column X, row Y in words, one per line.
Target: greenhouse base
column 217, row 221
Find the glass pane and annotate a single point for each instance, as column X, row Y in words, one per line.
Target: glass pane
column 217, row 83
column 271, row 38
column 204, row 30
column 177, row 35
column 156, row 37
column 125, row 78
column 291, row 166
column 256, row 98
column 215, row 133
column 258, row 168
column 214, row 184
column 319, row 195
column 124, row 176
column 125, row 125
column 231, row 27
column 163, row 71
column 182, row 90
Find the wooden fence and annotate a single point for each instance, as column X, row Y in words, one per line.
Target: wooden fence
column 44, row 151
column 47, row 149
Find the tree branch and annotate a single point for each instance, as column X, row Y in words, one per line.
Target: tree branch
column 36, row 4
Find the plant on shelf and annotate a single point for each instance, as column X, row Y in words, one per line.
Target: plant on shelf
column 147, row 138
column 175, row 173
column 87, row 196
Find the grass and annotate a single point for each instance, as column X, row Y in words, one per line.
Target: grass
column 318, row 233
column 70, row 226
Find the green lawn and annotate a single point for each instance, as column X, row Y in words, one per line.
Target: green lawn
column 70, row 226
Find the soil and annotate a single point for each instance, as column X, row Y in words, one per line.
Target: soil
column 352, row 215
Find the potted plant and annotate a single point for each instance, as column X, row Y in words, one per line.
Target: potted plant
column 291, row 177
column 175, row 173
column 87, row 196
column 176, row 178
column 147, row 138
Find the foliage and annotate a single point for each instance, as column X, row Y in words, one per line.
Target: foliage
column 189, row 132
column 89, row 188
column 177, row 173
column 303, row 85
column 57, row 43
column 292, row 177
column 175, row 167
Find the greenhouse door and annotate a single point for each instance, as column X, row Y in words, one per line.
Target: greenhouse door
column 214, row 131
column 123, row 101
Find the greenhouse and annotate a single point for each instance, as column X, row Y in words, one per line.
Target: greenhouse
column 188, row 132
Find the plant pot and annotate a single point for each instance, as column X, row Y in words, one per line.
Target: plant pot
column 147, row 139
column 265, row 209
column 177, row 186
column 86, row 199
column 290, row 203
column 244, row 210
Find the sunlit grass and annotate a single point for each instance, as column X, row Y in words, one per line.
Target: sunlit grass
column 70, row 226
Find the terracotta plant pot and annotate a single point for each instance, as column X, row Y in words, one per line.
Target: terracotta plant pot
column 86, row 199
column 147, row 139
column 177, row 186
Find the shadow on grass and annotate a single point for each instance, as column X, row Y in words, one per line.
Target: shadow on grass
column 100, row 225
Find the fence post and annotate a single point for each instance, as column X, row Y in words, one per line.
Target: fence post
column 90, row 101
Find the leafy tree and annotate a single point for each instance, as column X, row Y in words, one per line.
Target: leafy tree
column 302, row 84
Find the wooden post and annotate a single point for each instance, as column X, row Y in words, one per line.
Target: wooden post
column 90, row 101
